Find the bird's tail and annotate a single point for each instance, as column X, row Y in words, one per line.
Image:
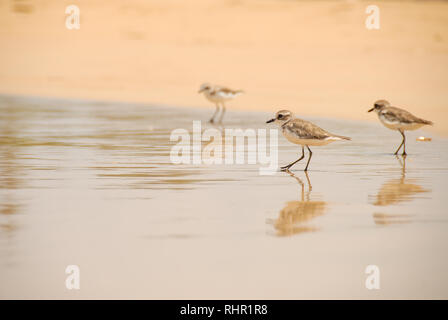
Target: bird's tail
column 426, row 122
column 341, row 137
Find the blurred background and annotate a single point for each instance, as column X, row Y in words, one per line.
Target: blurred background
column 316, row 57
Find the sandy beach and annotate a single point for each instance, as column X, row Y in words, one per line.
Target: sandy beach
column 87, row 177
column 316, row 57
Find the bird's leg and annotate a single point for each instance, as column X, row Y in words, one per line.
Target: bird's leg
column 222, row 112
column 310, row 187
column 212, row 119
column 402, row 142
column 403, row 167
column 311, row 154
column 285, row 168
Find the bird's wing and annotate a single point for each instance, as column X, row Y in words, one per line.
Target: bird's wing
column 226, row 90
column 306, row 130
column 394, row 114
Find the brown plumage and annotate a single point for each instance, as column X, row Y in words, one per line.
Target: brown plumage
column 218, row 95
column 308, row 130
column 398, row 119
column 397, row 114
column 225, row 90
column 303, row 133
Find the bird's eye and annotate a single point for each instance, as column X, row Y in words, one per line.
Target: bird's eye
column 376, row 105
column 279, row 116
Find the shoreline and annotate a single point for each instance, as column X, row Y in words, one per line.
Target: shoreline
column 206, row 110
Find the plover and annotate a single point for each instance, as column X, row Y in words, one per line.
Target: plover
column 397, row 119
column 303, row 133
column 218, row 95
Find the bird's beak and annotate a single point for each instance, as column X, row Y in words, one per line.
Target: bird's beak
column 269, row 121
column 371, row 110
column 200, row 90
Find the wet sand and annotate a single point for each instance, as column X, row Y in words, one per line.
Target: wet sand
column 316, row 57
column 90, row 183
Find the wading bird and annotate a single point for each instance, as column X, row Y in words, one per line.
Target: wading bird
column 218, row 95
column 303, row 133
column 397, row 119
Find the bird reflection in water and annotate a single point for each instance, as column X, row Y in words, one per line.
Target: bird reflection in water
column 11, row 180
column 393, row 192
column 293, row 218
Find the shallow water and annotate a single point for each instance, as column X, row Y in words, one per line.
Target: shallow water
column 91, row 184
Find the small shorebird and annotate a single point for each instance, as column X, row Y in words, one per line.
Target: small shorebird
column 304, row 133
column 397, row 119
column 218, row 95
